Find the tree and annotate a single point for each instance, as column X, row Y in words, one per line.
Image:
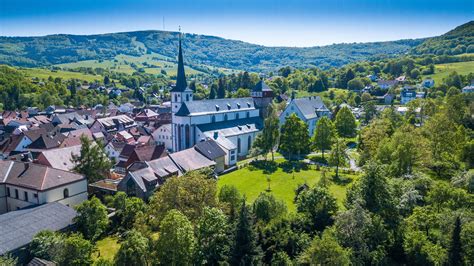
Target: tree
column 176, row 243
column 245, row 250
column 318, row 206
column 8, row 260
column 266, row 207
column 294, row 136
column 468, row 242
column 134, row 250
column 338, row 156
column 268, row 138
column 325, row 250
column 127, row 209
column 106, row 80
column 46, row 245
column 92, row 161
column 221, row 88
column 455, row 247
column 355, row 84
column 213, row 91
column 76, row 251
column 453, row 80
column 324, row 136
column 231, row 197
column 212, row 235
column 345, row 123
column 188, row 194
column 91, row 219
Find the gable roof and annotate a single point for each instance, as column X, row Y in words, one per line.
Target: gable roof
column 35, row 176
column 210, row 149
column 45, row 142
column 309, row 106
column 190, row 159
column 232, row 127
column 215, row 106
column 19, row 227
column 61, row 158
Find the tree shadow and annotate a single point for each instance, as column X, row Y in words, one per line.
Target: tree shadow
column 290, row 166
column 268, row 167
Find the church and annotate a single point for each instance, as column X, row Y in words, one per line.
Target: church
column 232, row 122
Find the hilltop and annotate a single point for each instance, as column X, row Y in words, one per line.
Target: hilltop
column 208, row 53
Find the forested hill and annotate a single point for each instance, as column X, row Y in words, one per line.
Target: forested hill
column 199, row 50
column 457, row 41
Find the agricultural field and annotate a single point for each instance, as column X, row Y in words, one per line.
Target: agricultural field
column 42, row 73
column 251, row 182
column 443, row 70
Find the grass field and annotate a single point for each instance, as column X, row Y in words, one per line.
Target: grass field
column 42, row 73
column 107, row 248
column 442, row 70
column 251, row 182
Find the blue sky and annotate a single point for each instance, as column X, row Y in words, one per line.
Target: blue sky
column 272, row 23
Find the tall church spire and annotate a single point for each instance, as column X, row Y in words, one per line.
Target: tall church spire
column 181, row 83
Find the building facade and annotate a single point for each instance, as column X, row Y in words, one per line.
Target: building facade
column 233, row 123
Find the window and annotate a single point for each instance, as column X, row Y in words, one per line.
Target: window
column 175, row 97
column 237, row 116
column 225, row 117
column 238, row 145
column 26, row 196
column 66, row 193
column 232, row 157
column 248, row 114
column 8, row 191
column 35, row 195
column 213, row 119
column 187, row 97
column 16, row 193
column 249, row 143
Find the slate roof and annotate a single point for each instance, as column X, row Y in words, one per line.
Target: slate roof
column 164, row 167
column 61, row 158
column 18, row 228
column 210, row 149
column 215, row 106
column 261, row 86
column 45, row 142
column 232, row 127
column 181, row 84
column 35, row 176
column 309, row 106
column 184, row 161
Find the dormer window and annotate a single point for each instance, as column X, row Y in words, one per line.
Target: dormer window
column 228, row 107
column 238, row 105
column 217, row 107
column 248, row 104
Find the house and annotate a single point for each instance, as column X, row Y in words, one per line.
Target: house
column 143, row 181
column 407, row 96
column 428, row 83
column 309, row 109
column 468, row 89
column 19, row 227
column 46, row 142
column 146, row 115
column 85, row 118
column 27, row 184
column 60, row 158
column 238, row 120
column 212, row 151
column 112, row 124
column 162, row 135
column 387, row 84
column 388, row 98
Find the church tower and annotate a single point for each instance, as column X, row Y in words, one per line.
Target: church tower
column 262, row 96
column 180, row 93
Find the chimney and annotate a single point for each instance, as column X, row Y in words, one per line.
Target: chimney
column 216, row 134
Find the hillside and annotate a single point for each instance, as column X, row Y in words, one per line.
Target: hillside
column 200, row 51
column 457, row 41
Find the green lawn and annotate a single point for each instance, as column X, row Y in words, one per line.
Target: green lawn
column 442, row 70
column 283, row 185
column 107, row 248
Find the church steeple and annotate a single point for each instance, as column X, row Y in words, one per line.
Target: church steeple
column 181, row 83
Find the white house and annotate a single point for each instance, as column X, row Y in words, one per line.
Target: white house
column 162, row 135
column 309, row 109
column 26, row 184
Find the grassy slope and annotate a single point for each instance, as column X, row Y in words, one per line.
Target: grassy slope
column 442, row 70
column 283, row 185
column 45, row 74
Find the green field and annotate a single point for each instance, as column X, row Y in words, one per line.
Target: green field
column 42, row 73
column 251, row 182
column 107, row 248
column 442, row 70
